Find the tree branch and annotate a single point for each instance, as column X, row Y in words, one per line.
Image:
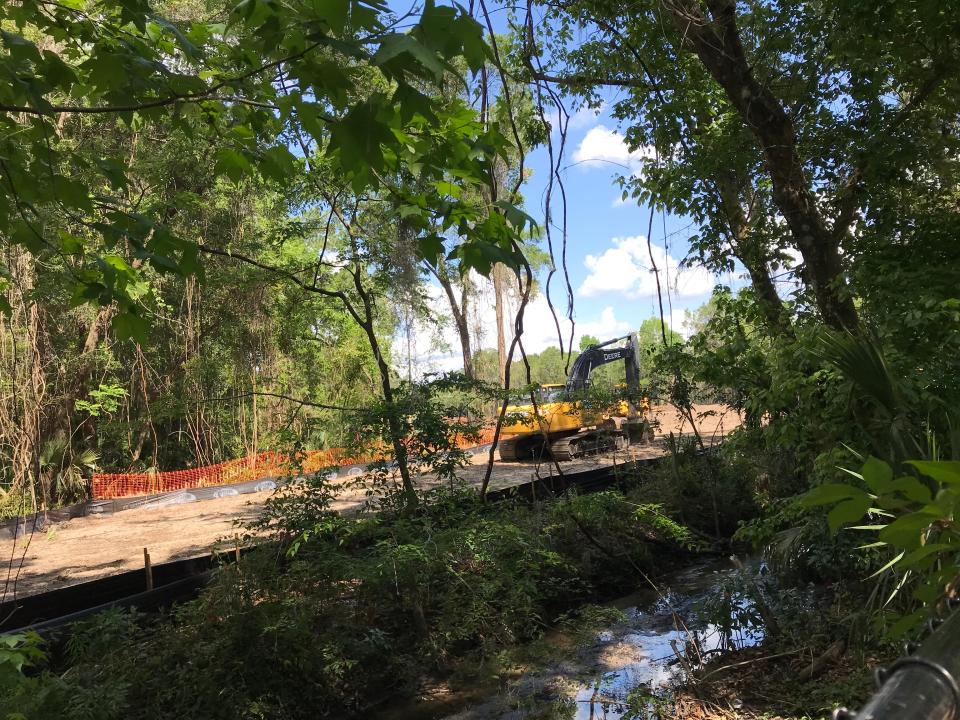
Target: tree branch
column 578, row 80
column 209, row 94
column 280, row 272
column 300, row 401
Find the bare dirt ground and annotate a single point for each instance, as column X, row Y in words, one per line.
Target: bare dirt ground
column 91, row 547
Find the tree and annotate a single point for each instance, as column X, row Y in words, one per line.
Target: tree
column 796, row 99
column 588, row 340
column 333, row 107
column 246, row 77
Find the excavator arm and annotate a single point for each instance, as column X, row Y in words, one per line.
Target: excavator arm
column 595, row 356
column 563, row 432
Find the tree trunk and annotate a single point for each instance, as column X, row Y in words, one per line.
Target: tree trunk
column 717, row 43
column 754, row 256
column 459, row 310
column 501, row 339
column 22, row 408
column 393, row 422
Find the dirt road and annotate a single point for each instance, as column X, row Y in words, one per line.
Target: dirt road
column 97, row 546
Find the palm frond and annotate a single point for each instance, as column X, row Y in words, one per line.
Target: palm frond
column 860, row 360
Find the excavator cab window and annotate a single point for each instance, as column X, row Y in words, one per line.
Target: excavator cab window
column 551, row 394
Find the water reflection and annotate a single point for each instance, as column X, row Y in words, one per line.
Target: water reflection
column 658, row 644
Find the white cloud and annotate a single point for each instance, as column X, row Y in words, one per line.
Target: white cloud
column 602, row 146
column 435, row 345
column 584, row 116
column 540, row 327
column 605, row 327
column 678, row 322
column 625, row 268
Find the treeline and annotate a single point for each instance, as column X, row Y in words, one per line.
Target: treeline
column 209, row 248
column 227, row 357
column 552, row 366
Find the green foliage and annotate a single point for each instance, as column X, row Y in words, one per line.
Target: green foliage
column 105, row 400
column 355, row 91
column 16, row 652
column 433, row 418
column 708, row 493
column 912, row 516
column 551, row 366
column 63, row 472
column 365, row 604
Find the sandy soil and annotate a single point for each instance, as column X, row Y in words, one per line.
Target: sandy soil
column 97, row 546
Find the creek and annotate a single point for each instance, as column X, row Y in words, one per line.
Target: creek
column 622, row 669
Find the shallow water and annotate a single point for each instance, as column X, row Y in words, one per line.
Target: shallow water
column 677, row 620
column 645, row 649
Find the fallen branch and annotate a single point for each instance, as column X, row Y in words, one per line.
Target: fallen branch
column 750, row 661
column 819, row 664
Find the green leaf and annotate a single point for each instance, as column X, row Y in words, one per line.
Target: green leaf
column 943, row 471
column 360, row 137
column 396, row 44
column 515, row 216
column 19, row 46
column 70, row 244
column 848, row 511
column 71, row 193
column 28, row 235
column 912, row 489
column 431, row 247
column 278, row 163
column 905, row 532
column 829, row 493
column 877, row 474
column 333, row 12
column 231, row 163
column 107, row 70
column 114, row 171
column 127, row 326
column 406, row 210
column 906, row 624
column 927, row 593
column 448, row 188
column 920, row 553
column 888, row 565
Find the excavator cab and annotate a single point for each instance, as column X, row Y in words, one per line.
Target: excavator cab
column 560, row 424
column 551, row 393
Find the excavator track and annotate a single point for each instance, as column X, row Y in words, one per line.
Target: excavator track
column 523, row 447
column 507, row 449
column 587, row 442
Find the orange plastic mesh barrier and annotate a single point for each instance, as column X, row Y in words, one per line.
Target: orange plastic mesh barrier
column 266, row 464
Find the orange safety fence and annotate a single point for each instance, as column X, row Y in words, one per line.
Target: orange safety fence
column 107, row 486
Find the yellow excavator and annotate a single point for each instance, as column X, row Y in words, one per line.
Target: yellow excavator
column 563, row 427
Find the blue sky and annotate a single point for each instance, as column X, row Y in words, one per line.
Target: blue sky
column 607, row 259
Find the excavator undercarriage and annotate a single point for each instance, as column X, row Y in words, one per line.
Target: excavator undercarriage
column 587, row 442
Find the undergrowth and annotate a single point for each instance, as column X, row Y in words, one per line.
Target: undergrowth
column 343, row 612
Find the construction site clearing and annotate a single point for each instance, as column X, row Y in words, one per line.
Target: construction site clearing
column 92, row 547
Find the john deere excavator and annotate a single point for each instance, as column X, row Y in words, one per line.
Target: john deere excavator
column 562, row 426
